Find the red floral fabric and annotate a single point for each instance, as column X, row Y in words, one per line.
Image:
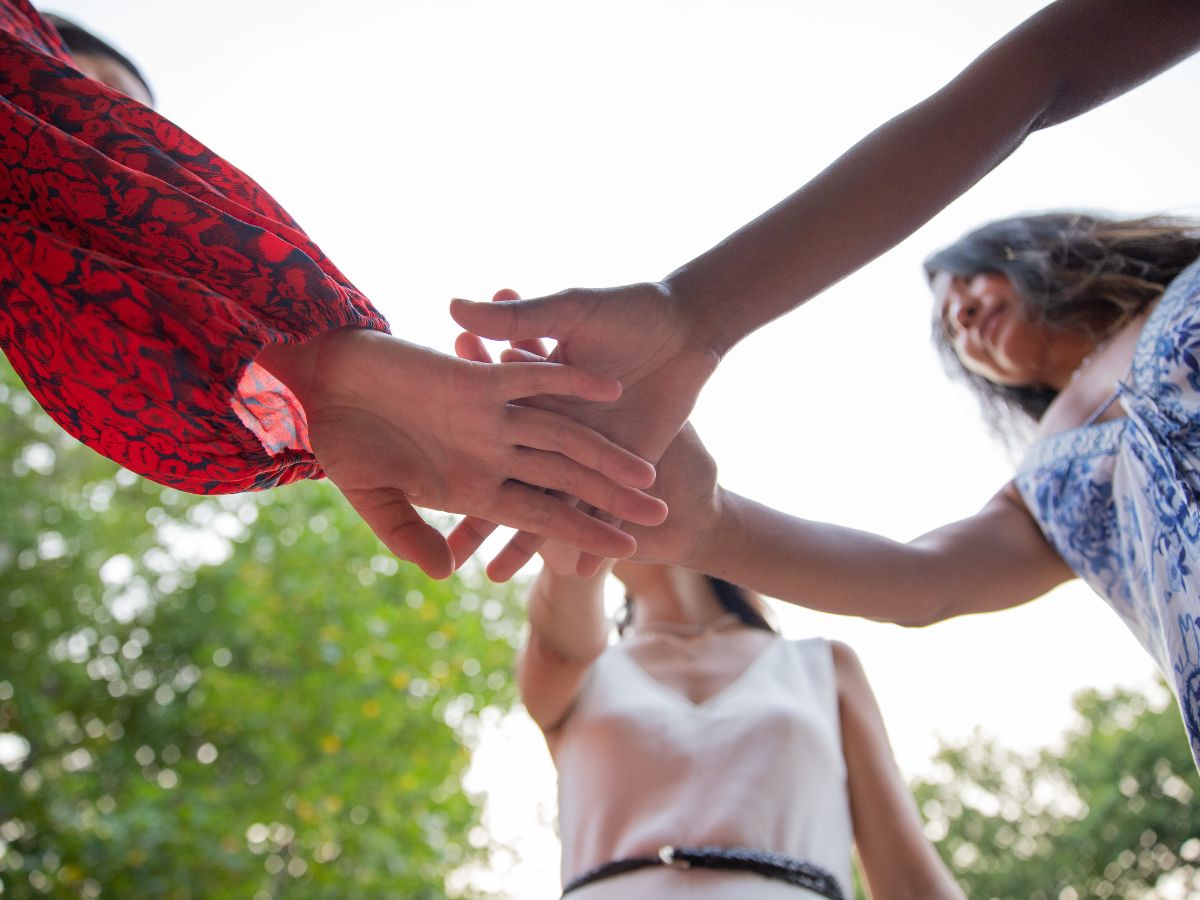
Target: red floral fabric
column 140, row 275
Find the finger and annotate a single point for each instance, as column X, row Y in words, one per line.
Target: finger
column 515, row 354
column 532, row 379
column 517, row 320
column 535, row 346
column 541, row 429
column 529, row 509
column 589, row 564
column 512, row 558
column 471, row 347
column 520, row 548
column 402, row 530
column 540, row 469
column 464, row 539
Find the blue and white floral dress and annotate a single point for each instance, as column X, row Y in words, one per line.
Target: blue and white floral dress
column 1120, row 499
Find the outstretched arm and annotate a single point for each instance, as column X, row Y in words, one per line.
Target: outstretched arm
column 897, row 858
column 1070, row 57
column 995, row 559
column 992, row 560
column 662, row 340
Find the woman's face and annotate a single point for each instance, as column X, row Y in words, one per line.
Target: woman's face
column 985, row 320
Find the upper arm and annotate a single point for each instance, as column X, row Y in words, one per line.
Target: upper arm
column 897, row 858
column 549, row 682
column 1075, row 55
column 995, row 559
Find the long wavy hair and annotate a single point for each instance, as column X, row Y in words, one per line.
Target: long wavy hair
column 746, row 605
column 1076, row 272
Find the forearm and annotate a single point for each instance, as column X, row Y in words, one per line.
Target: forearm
column 1072, row 56
column 566, row 616
column 879, row 192
column 990, row 561
column 567, row 632
column 817, row 565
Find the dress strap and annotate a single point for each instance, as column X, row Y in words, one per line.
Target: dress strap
column 1102, row 408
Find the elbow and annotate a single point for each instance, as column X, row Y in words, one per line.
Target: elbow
column 918, row 605
column 928, row 610
column 923, row 620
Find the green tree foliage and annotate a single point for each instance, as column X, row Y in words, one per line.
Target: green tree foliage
column 1113, row 813
column 225, row 697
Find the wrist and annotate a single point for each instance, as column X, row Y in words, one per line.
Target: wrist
column 304, row 366
column 344, row 367
column 710, row 328
column 713, row 534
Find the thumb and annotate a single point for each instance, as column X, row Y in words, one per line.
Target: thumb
column 517, row 320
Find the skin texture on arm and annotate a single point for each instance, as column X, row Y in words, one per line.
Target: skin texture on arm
column 394, row 425
column 993, row 560
column 897, row 858
column 567, row 631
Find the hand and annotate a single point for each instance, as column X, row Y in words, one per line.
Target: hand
column 395, row 424
column 643, row 335
column 560, row 559
column 687, row 483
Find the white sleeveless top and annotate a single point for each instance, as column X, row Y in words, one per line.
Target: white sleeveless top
column 757, row 765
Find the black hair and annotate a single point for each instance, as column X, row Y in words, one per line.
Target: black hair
column 1076, row 272
column 79, row 40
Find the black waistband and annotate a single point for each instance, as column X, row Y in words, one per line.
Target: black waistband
column 738, row 859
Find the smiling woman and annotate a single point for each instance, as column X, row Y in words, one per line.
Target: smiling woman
column 993, row 336
column 1020, row 303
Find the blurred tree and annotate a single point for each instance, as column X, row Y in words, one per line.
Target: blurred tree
column 225, row 697
column 1111, row 814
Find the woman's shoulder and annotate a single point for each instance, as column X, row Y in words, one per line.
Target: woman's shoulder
column 853, row 687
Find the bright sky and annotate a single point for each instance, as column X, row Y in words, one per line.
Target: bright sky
column 445, row 147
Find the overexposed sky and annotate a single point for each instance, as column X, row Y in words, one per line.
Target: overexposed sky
column 445, row 148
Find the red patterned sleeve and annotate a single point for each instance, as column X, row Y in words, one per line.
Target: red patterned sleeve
column 141, row 274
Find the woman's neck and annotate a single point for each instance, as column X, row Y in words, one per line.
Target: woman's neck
column 676, row 596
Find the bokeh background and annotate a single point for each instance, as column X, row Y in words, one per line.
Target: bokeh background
column 247, row 697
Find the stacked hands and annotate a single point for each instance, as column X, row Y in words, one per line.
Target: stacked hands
column 642, row 337
column 558, row 445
